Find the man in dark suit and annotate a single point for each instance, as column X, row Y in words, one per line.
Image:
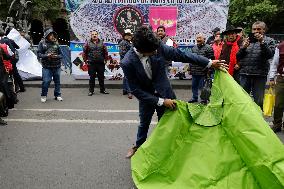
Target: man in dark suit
column 144, row 66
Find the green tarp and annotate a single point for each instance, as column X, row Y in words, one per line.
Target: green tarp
column 223, row 145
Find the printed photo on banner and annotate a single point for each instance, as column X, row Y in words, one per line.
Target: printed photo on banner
column 164, row 16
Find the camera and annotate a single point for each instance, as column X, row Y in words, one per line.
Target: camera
column 252, row 38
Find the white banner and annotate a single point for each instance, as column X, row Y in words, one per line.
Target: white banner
column 28, row 62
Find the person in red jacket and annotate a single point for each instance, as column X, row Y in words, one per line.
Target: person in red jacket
column 230, row 49
column 7, row 62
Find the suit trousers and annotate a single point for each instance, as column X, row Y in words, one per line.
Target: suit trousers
column 146, row 112
column 95, row 70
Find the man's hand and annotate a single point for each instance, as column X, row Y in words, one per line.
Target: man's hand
column 54, row 56
column 259, row 37
column 271, row 83
column 219, row 65
column 169, row 103
column 246, row 43
column 49, row 55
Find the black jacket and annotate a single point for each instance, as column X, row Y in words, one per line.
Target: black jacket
column 254, row 59
column 144, row 88
column 44, row 48
column 203, row 50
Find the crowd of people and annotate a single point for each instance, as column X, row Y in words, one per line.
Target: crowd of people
column 247, row 57
column 251, row 60
column 10, row 81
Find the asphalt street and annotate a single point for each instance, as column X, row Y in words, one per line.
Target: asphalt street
column 76, row 144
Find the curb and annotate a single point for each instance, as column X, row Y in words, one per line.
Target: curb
column 107, row 85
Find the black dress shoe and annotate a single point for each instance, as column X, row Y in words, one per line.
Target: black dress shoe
column 276, row 129
column 192, row 101
column 90, row 93
column 23, row 90
column 104, row 92
column 124, row 92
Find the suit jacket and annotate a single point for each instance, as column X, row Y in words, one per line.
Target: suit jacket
column 142, row 87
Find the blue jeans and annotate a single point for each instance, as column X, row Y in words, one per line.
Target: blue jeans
column 256, row 85
column 125, row 85
column 197, row 83
column 146, row 112
column 47, row 75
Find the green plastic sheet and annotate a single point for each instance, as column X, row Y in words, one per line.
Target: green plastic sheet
column 225, row 144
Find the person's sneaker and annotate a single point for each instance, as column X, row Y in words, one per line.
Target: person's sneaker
column 43, row 99
column 90, row 93
column 2, row 122
column 58, row 98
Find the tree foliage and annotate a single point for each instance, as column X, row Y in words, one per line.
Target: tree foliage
column 246, row 12
column 46, row 10
column 41, row 9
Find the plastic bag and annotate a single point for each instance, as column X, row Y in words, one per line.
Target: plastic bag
column 268, row 102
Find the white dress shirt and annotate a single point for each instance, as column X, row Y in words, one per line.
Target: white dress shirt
column 148, row 70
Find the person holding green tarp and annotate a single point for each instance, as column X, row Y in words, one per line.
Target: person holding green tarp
column 225, row 144
column 144, row 66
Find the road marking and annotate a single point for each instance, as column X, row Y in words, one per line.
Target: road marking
column 76, row 110
column 76, row 121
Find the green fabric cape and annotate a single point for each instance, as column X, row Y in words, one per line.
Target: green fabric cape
column 223, row 145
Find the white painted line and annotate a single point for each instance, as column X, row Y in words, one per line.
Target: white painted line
column 76, row 110
column 76, row 121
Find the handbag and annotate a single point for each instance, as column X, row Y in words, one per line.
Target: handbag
column 206, row 90
column 268, row 102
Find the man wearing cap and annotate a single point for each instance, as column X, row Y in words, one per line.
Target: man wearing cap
column 253, row 61
column 277, row 72
column 95, row 55
column 50, row 54
column 124, row 46
column 230, row 49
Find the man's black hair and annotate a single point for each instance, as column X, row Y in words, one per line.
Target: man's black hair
column 145, row 40
column 215, row 30
column 163, row 27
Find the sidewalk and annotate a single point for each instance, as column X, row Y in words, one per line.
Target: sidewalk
column 67, row 81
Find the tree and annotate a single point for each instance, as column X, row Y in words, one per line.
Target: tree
column 245, row 12
column 41, row 9
column 46, row 10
